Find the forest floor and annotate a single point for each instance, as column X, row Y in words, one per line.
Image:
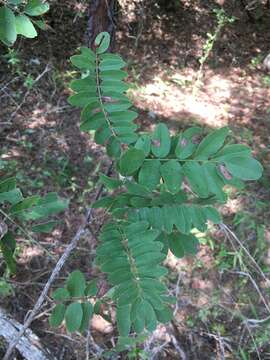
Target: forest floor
column 223, row 299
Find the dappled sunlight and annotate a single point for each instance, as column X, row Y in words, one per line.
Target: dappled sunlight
column 30, row 252
column 232, row 206
column 162, row 43
column 173, row 98
column 98, row 323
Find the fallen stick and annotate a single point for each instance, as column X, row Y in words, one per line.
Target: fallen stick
column 29, row 346
column 72, row 245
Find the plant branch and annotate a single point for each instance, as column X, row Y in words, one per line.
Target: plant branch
column 72, row 245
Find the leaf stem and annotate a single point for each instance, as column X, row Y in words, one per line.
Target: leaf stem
column 184, row 160
column 100, row 98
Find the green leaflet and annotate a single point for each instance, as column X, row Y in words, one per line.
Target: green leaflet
column 91, row 288
column 41, row 24
column 61, row 294
column 102, row 42
column 211, row 143
column 57, row 315
column 34, row 208
column 172, row 175
column 131, row 161
column 214, row 181
column 76, row 284
column 84, row 61
column 109, row 182
column 244, row 168
column 144, row 143
column 188, row 142
column 7, row 184
column 87, row 310
column 234, row 150
column 85, row 84
column 7, row 247
column 15, row 2
column 182, row 245
column 196, row 178
column 12, row 196
column 25, row 27
column 149, row 174
column 123, row 320
column 73, row 316
column 113, row 147
column 161, row 141
column 36, row 7
column 82, row 99
column 110, row 62
column 137, row 189
column 212, row 214
column 8, row 32
column 44, row 227
column 113, row 74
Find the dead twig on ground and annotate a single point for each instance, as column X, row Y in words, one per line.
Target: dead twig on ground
column 177, row 347
column 72, row 245
column 256, row 287
column 47, row 69
column 92, row 346
column 29, row 345
column 253, row 340
column 232, row 235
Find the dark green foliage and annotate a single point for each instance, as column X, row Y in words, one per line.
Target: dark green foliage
column 16, row 19
column 73, row 303
column 100, row 92
column 16, row 210
column 168, row 186
column 131, row 256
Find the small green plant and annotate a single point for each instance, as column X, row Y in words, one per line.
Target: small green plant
column 151, row 213
column 29, row 81
column 18, row 17
column 266, row 81
column 13, row 59
column 255, row 61
column 5, row 288
column 222, row 20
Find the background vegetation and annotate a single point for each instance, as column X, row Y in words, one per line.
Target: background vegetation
column 190, row 63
